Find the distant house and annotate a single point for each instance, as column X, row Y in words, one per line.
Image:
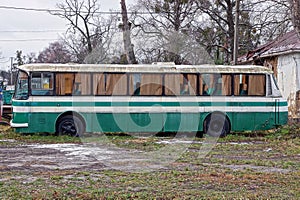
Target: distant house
column 283, row 56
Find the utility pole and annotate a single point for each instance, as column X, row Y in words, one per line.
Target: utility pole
column 11, row 70
column 236, row 32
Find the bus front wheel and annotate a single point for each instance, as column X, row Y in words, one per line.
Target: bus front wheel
column 70, row 125
column 216, row 125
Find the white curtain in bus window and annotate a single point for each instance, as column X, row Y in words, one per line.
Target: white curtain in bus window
column 82, row 84
column 151, row 84
column 172, row 84
column 257, row 85
column 116, row 84
column 99, row 84
column 64, row 83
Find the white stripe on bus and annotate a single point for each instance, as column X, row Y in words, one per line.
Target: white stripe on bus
column 148, row 109
column 178, row 99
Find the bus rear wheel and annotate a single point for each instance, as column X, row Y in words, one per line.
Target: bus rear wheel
column 70, row 125
column 216, row 125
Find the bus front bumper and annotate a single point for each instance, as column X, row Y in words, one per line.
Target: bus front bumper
column 18, row 125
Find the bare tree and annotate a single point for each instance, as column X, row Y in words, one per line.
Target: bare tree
column 126, row 26
column 164, row 29
column 87, row 31
column 103, row 41
column 295, row 12
column 57, row 52
column 80, row 14
column 260, row 20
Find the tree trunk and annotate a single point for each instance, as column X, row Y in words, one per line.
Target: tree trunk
column 126, row 35
column 295, row 8
column 230, row 20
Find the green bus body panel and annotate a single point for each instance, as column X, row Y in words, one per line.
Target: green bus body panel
column 153, row 122
column 148, row 122
column 148, row 104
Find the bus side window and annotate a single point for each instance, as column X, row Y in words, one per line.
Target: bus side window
column 218, row 88
column 172, row 84
column 151, row 84
column 215, row 84
column 42, row 83
column 116, row 84
column 209, row 84
column 135, row 84
column 188, row 84
column 250, row 85
column 98, row 84
column 241, row 85
column 257, row 85
column 73, row 84
column 81, row 84
column 64, row 83
column 145, row 84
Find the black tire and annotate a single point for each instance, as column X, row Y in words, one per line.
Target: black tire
column 70, row 125
column 199, row 134
column 216, row 125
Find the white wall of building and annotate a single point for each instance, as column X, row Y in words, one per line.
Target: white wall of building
column 289, row 79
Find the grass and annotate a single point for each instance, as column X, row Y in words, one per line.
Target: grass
column 259, row 165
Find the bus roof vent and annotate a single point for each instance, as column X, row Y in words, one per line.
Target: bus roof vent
column 164, row 63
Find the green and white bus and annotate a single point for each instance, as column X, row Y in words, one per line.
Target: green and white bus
column 162, row 97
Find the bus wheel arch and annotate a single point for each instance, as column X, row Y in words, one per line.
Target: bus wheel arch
column 70, row 123
column 217, row 124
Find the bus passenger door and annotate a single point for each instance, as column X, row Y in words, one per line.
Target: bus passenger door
column 41, row 117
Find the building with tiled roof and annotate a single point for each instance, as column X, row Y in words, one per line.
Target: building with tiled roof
column 282, row 55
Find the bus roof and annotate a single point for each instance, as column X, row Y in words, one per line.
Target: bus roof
column 145, row 68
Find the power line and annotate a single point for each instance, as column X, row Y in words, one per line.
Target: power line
column 110, row 12
column 28, row 9
column 29, row 31
column 52, row 10
column 61, row 11
column 26, row 40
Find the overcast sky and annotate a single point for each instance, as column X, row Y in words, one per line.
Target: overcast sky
column 32, row 31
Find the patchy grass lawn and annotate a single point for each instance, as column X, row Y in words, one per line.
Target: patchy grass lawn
column 256, row 165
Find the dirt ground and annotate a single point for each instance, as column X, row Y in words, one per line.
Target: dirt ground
column 34, row 157
column 40, row 157
column 236, row 168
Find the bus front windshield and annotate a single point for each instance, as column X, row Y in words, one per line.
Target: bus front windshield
column 22, row 86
